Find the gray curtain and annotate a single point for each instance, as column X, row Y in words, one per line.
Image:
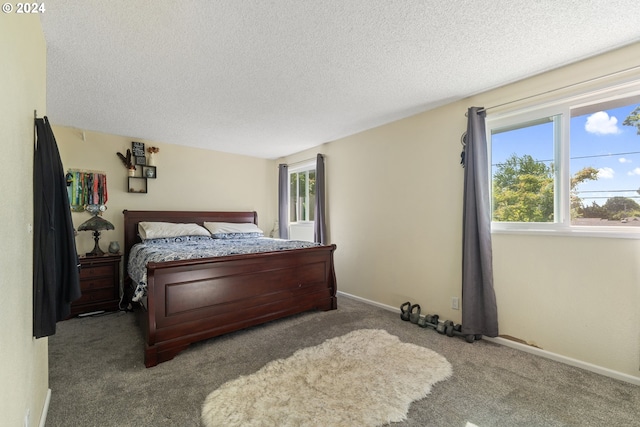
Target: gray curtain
column 283, row 201
column 320, row 223
column 479, row 310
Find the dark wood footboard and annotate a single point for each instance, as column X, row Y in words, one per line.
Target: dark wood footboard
column 195, row 301
column 192, row 300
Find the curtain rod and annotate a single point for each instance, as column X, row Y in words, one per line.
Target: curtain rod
column 300, row 162
column 626, row 70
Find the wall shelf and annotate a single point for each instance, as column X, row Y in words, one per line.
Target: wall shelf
column 149, row 172
column 137, row 184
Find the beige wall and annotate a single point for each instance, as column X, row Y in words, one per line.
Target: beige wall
column 395, row 208
column 187, row 179
column 23, row 359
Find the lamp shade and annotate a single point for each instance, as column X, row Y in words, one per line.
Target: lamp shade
column 96, row 223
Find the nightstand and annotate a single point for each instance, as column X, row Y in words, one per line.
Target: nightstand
column 99, row 283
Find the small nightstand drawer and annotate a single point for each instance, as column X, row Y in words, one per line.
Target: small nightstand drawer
column 99, row 283
column 97, row 271
column 97, row 295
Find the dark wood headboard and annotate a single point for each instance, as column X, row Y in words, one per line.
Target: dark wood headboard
column 132, row 218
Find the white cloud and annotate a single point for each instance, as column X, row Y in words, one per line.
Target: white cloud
column 606, row 173
column 601, row 124
column 623, row 160
column 636, row 171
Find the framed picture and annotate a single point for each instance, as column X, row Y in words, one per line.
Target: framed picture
column 137, row 149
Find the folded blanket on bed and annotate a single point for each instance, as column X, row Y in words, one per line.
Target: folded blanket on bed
column 186, row 247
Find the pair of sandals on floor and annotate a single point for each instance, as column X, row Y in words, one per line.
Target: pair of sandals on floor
column 411, row 313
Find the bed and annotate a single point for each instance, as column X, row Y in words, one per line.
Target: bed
column 196, row 299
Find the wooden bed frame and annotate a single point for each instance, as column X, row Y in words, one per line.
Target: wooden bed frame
column 193, row 300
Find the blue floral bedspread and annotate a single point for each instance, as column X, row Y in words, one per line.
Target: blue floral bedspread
column 190, row 247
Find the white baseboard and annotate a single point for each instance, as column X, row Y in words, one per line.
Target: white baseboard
column 528, row 349
column 566, row 360
column 45, row 409
column 368, row 301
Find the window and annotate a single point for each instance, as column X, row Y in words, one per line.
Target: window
column 573, row 165
column 605, row 145
column 302, row 194
column 523, row 170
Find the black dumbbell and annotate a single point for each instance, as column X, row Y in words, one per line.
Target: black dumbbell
column 428, row 321
column 442, row 326
column 414, row 316
column 404, row 311
column 456, row 329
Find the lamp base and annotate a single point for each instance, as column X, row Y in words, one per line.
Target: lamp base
column 96, row 249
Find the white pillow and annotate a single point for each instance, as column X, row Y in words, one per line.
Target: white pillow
column 157, row 230
column 232, row 227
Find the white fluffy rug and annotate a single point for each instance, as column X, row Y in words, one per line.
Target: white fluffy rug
column 365, row 378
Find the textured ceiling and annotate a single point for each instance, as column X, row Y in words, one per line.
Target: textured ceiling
column 271, row 78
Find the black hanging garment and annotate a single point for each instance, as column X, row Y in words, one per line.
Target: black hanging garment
column 56, row 281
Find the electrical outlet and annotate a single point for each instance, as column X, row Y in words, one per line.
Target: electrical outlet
column 455, row 303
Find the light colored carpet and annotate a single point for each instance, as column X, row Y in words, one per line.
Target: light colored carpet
column 367, row 377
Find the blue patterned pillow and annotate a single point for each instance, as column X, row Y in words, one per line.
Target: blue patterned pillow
column 177, row 239
column 232, row 230
column 253, row 235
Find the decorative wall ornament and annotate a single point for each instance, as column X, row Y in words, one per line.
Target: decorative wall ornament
column 127, row 160
column 86, row 188
column 151, row 161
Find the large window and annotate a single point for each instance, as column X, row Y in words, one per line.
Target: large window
column 574, row 165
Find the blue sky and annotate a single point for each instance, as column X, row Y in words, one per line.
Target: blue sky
column 600, row 134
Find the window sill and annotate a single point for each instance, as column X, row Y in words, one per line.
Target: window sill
column 610, row 232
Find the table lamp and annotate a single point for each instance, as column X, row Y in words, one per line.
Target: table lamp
column 96, row 224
